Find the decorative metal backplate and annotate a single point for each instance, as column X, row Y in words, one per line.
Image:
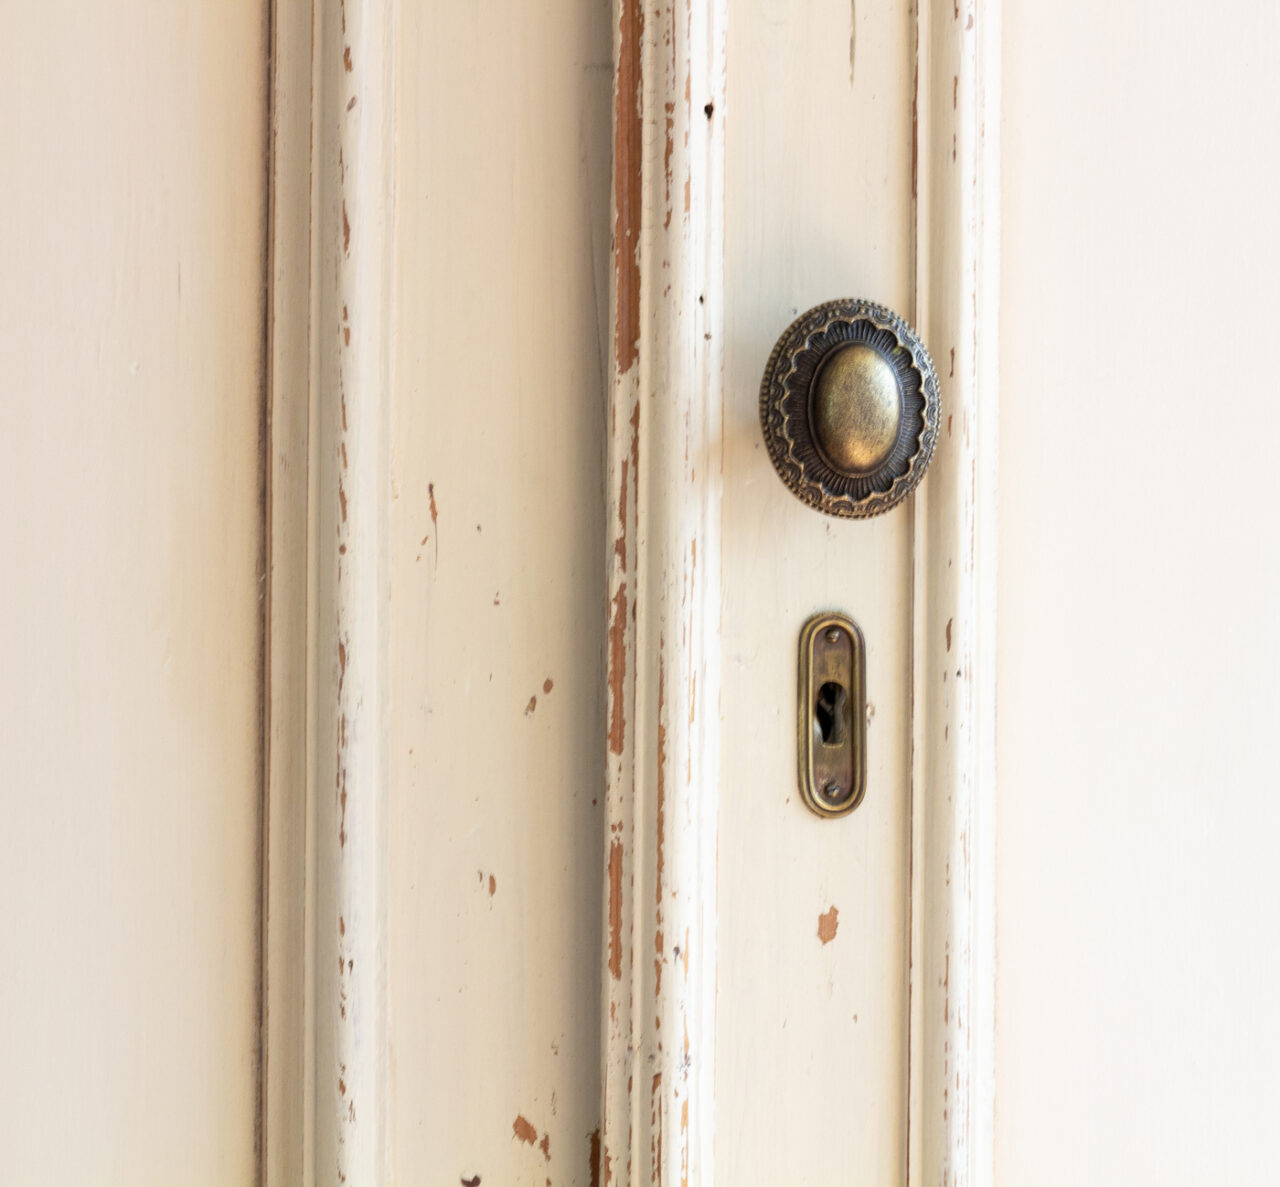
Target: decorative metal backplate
column 827, row 408
column 832, row 736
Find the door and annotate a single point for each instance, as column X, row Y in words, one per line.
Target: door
column 133, row 391
column 1138, row 636
column 404, row 694
column 595, row 586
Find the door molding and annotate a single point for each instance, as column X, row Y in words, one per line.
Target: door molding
column 665, row 478
column 324, row 1046
column 953, row 771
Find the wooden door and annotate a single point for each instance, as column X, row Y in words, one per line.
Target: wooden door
column 560, row 914
column 131, row 566
column 1140, row 565
column 410, row 694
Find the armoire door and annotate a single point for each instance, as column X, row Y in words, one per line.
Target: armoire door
column 132, row 552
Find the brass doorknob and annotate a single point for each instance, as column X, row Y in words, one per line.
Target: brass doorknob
column 849, row 408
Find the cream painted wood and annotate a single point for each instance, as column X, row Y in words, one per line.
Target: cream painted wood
column 288, row 1071
column 353, row 74
column 740, row 943
column 131, row 346
column 812, row 1042
column 325, row 1101
column 1140, row 574
column 953, row 825
column 665, row 485
column 497, row 593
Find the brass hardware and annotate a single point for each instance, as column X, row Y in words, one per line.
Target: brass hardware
column 832, row 733
column 849, row 408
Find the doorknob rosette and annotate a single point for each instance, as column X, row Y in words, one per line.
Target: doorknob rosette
column 849, row 408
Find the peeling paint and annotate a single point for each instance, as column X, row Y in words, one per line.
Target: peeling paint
column 523, row 1131
column 615, row 909
column 628, row 148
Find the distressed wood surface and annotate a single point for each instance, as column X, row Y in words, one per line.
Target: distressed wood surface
column 1139, row 634
column 797, row 933
column 663, row 661
column 131, row 340
column 957, row 180
column 353, row 97
column 498, row 513
column 812, row 1045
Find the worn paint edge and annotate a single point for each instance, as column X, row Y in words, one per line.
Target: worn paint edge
column 324, row 1100
column 662, row 654
column 952, row 1015
column 355, row 99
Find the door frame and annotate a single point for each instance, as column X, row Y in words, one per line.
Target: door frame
column 332, row 225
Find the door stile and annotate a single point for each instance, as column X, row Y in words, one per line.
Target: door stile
column 663, row 650
column 325, row 1043
column 953, row 778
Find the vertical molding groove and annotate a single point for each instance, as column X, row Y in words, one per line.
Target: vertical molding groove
column 953, row 964
column 283, row 1124
column 325, row 1049
column 663, row 662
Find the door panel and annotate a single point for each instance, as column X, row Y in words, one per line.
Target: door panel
column 131, row 300
column 498, row 591
column 1140, row 574
column 811, row 1051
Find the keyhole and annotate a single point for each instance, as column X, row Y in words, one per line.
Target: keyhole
column 829, row 713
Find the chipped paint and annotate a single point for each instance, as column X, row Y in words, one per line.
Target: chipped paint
column 661, row 655
column 615, row 909
column 628, row 148
column 522, row 1130
column 828, row 922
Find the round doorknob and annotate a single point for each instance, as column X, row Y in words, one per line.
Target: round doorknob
column 849, row 408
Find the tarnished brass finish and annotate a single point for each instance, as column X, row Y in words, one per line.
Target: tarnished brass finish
column 849, row 408
column 832, row 733
column 855, row 409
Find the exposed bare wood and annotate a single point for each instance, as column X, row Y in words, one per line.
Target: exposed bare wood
column 954, row 704
column 664, row 554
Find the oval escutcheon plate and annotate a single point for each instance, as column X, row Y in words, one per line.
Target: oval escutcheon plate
column 849, row 408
